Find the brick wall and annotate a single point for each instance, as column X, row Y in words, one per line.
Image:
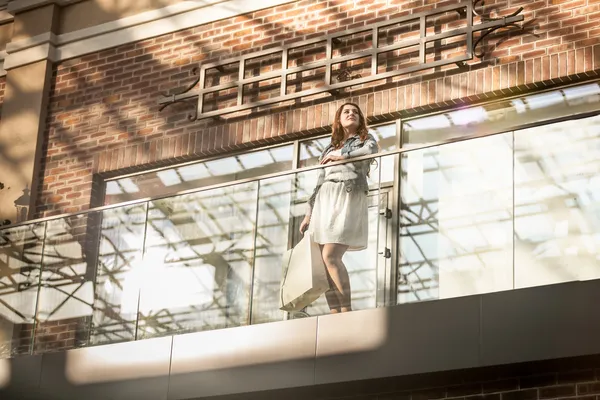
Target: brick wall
column 103, row 114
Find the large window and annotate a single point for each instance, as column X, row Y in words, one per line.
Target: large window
column 501, row 116
column 201, row 174
column 229, row 169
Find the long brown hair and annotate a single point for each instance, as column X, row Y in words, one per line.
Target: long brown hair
column 337, row 131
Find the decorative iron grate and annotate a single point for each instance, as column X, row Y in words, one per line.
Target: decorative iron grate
column 331, row 65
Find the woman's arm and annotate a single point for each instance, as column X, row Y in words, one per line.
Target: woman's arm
column 369, row 147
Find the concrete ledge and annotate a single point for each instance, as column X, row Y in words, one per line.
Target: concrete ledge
column 30, row 55
column 25, row 44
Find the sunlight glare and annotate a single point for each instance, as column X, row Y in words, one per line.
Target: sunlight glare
column 4, row 372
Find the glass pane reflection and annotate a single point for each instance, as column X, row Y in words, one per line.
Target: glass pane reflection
column 20, row 263
column 67, row 283
column 456, row 219
column 273, row 237
column 198, row 260
column 557, row 203
column 120, row 252
column 502, row 116
column 201, row 174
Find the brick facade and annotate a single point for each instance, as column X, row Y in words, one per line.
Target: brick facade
column 104, row 118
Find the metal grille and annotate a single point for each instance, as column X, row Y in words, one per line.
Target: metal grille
column 239, row 80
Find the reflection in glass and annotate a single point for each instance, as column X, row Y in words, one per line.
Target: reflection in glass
column 557, row 203
column 501, row 116
column 173, row 180
column 273, row 237
column 198, row 259
column 67, row 283
column 121, row 237
column 20, row 262
column 456, row 219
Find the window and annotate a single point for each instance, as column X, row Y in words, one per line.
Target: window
column 201, row 174
column 501, row 116
column 228, row 169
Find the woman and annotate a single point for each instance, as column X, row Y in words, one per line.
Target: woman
column 337, row 210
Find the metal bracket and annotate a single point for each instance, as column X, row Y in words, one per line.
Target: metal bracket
column 386, row 253
column 387, row 213
column 181, row 96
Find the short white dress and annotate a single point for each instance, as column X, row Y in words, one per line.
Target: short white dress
column 339, row 216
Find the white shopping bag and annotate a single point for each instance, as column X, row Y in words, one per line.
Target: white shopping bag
column 305, row 278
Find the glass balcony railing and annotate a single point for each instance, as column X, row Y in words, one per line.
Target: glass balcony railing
column 493, row 213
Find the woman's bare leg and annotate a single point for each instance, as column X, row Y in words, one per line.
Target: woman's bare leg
column 332, row 256
column 331, row 295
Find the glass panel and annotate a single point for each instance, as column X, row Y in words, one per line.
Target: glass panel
column 20, row 262
column 273, row 238
column 198, row 260
column 386, row 136
column 557, row 203
column 67, row 292
column 121, row 238
column 501, row 116
column 201, row 174
column 456, row 219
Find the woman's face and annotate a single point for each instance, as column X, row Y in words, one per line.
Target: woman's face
column 350, row 117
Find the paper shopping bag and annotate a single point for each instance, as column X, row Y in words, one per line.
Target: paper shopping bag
column 305, row 278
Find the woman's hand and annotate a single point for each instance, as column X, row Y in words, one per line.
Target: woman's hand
column 304, row 224
column 331, row 158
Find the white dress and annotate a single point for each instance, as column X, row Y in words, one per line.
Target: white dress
column 339, row 216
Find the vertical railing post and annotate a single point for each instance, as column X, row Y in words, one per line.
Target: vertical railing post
column 469, row 17
column 375, row 41
column 423, row 42
column 284, row 67
column 328, row 59
column 202, row 84
column 240, row 86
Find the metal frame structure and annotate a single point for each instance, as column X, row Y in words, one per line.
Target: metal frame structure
column 465, row 8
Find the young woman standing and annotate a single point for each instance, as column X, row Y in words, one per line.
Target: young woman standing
column 337, row 210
